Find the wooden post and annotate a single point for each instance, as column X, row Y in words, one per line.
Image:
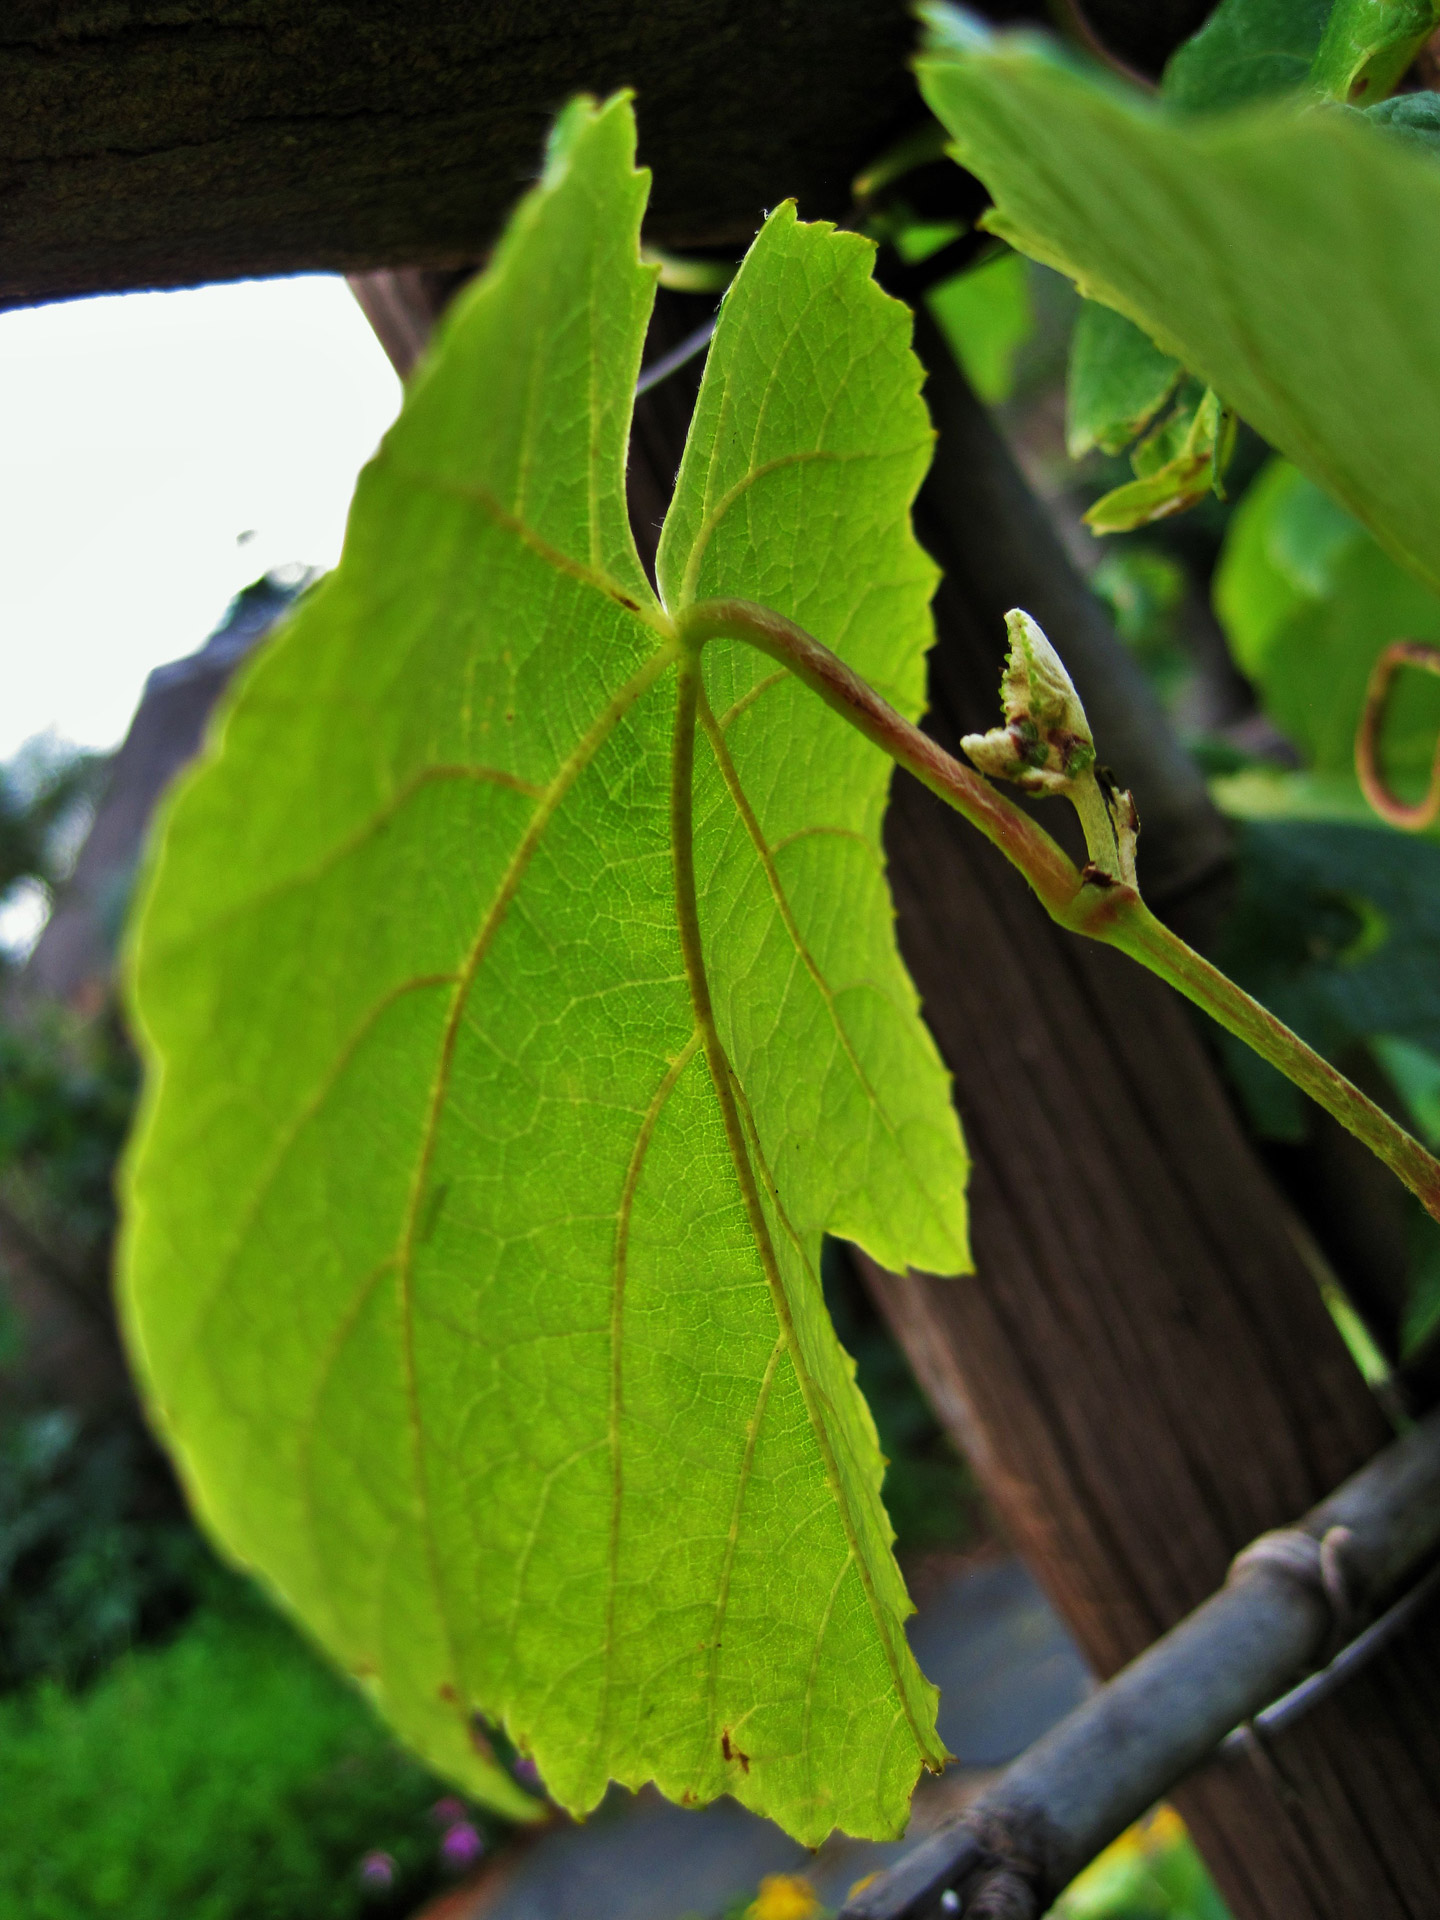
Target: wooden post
column 1142, row 1369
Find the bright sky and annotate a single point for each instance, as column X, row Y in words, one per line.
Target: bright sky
column 140, row 437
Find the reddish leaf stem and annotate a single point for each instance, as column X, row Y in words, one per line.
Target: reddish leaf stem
column 1091, row 903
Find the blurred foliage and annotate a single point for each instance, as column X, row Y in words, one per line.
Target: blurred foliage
column 47, row 801
column 229, row 1775
column 67, row 1087
column 1307, row 600
column 93, row 1557
column 1247, row 50
column 782, row 1896
column 1152, row 1872
column 1336, row 929
column 1337, row 923
column 987, row 316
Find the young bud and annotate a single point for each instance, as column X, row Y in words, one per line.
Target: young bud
column 1045, row 744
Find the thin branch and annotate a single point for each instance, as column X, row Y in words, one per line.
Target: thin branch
column 678, row 356
column 1091, row 1776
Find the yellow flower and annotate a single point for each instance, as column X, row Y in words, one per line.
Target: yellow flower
column 784, row 1896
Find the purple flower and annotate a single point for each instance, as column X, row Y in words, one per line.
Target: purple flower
column 377, row 1872
column 461, row 1847
column 446, row 1812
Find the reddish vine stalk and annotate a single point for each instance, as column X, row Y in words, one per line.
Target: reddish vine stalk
column 1090, row 902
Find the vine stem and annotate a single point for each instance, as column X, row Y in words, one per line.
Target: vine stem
column 1089, row 902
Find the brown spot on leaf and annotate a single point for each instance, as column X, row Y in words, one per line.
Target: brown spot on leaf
column 732, row 1752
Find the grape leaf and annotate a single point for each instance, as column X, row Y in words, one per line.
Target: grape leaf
column 1290, row 260
column 987, row 316
column 1179, row 462
column 1246, row 50
column 1413, row 118
column 1307, row 600
column 504, row 1067
column 1118, row 380
column 1368, row 44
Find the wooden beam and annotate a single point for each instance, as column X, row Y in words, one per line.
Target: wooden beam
column 160, row 144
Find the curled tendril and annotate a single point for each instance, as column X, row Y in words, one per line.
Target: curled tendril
column 1399, row 653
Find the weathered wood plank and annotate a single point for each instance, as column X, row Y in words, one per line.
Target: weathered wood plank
column 162, row 142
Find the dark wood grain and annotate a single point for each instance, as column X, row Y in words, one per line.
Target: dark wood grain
column 156, row 144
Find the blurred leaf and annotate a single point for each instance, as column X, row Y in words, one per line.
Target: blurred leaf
column 1118, row 381
column 1415, row 1072
column 1282, row 546
column 1335, row 928
column 1422, row 1308
column 1368, row 44
column 986, row 315
column 1247, row 49
column 47, row 796
column 475, row 1214
column 1143, row 589
column 1291, row 260
column 1178, row 462
column 1411, row 117
column 1307, row 600
column 1152, row 1872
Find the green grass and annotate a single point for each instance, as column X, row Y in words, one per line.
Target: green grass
column 227, row 1774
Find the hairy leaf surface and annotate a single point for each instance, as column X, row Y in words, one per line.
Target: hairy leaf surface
column 1291, row 260
column 521, row 1002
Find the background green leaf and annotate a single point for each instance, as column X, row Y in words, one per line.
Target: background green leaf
column 471, row 1325
column 1118, row 381
column 986, row 315
column 1411, row 117
column 1246, row 50
column 1291, row 261
column 1308, row 600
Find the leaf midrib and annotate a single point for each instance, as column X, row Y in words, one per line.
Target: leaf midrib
column 729, row 1094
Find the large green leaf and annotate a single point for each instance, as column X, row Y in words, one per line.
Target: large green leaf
column 493, row 1117
column 1291, row 260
